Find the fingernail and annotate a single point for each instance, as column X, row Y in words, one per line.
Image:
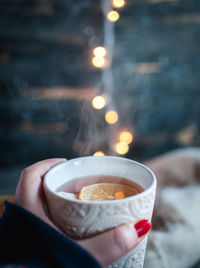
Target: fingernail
column 142, row 227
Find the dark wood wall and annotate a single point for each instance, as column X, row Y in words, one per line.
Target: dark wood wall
column 47, row 80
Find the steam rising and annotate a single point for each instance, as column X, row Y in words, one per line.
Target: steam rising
column 99, row 134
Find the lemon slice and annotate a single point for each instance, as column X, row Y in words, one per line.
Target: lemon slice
column 106, row 191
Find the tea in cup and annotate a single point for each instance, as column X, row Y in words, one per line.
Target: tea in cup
column 89, row 195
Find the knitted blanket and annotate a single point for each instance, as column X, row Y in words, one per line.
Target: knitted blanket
column 175, row 237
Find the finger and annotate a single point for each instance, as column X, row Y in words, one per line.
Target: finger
column 29, row 188
column 113, row 244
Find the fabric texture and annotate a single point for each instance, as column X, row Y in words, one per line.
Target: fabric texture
column 175, row 239
column 26, row 241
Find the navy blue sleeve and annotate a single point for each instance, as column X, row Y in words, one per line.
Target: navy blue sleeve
column 27, row 241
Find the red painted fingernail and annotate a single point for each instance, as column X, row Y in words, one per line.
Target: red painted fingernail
column 142, row 227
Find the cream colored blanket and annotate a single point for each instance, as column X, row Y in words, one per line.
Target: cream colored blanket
column 174, row 241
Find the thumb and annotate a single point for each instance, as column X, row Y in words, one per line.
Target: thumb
column 113, row 244
column 29, row 191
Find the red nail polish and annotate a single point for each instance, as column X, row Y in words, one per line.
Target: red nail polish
column 142, row 227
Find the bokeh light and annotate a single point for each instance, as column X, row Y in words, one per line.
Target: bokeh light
column 99, row 52
column 98, row 102
column 126, row 136
column 99, row 153
column 98, row 62
column 122, row 147
column 113, row 16
column 111, row 117
column 118, row 3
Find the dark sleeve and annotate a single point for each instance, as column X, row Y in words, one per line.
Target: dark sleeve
column 28, row 241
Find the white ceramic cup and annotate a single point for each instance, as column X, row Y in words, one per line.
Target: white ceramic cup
column 81, row 219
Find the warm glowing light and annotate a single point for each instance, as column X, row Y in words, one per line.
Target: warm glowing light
column 118, row 3
column 113, row 16
column 148, row 67
column 111, row 117
column 98, row 62
column 126, row 137
column 98, row 102
column 121, row 147
column 99, row 153
column 99, row 52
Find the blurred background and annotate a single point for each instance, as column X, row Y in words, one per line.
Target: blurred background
column 146, row 73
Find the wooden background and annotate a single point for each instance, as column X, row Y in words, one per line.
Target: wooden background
column 47, row 80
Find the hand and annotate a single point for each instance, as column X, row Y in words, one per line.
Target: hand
column 106, row 247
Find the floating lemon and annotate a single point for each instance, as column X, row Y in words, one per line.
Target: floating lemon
column 106, row 191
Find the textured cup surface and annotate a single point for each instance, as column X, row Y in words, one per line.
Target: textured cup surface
column 81, row 219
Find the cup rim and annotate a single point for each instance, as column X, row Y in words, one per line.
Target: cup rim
column 145, row 192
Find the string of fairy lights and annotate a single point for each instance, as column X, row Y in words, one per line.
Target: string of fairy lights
column 101, row 60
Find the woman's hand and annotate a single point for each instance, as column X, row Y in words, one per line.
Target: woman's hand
column 106, row 247
column 29, row 193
